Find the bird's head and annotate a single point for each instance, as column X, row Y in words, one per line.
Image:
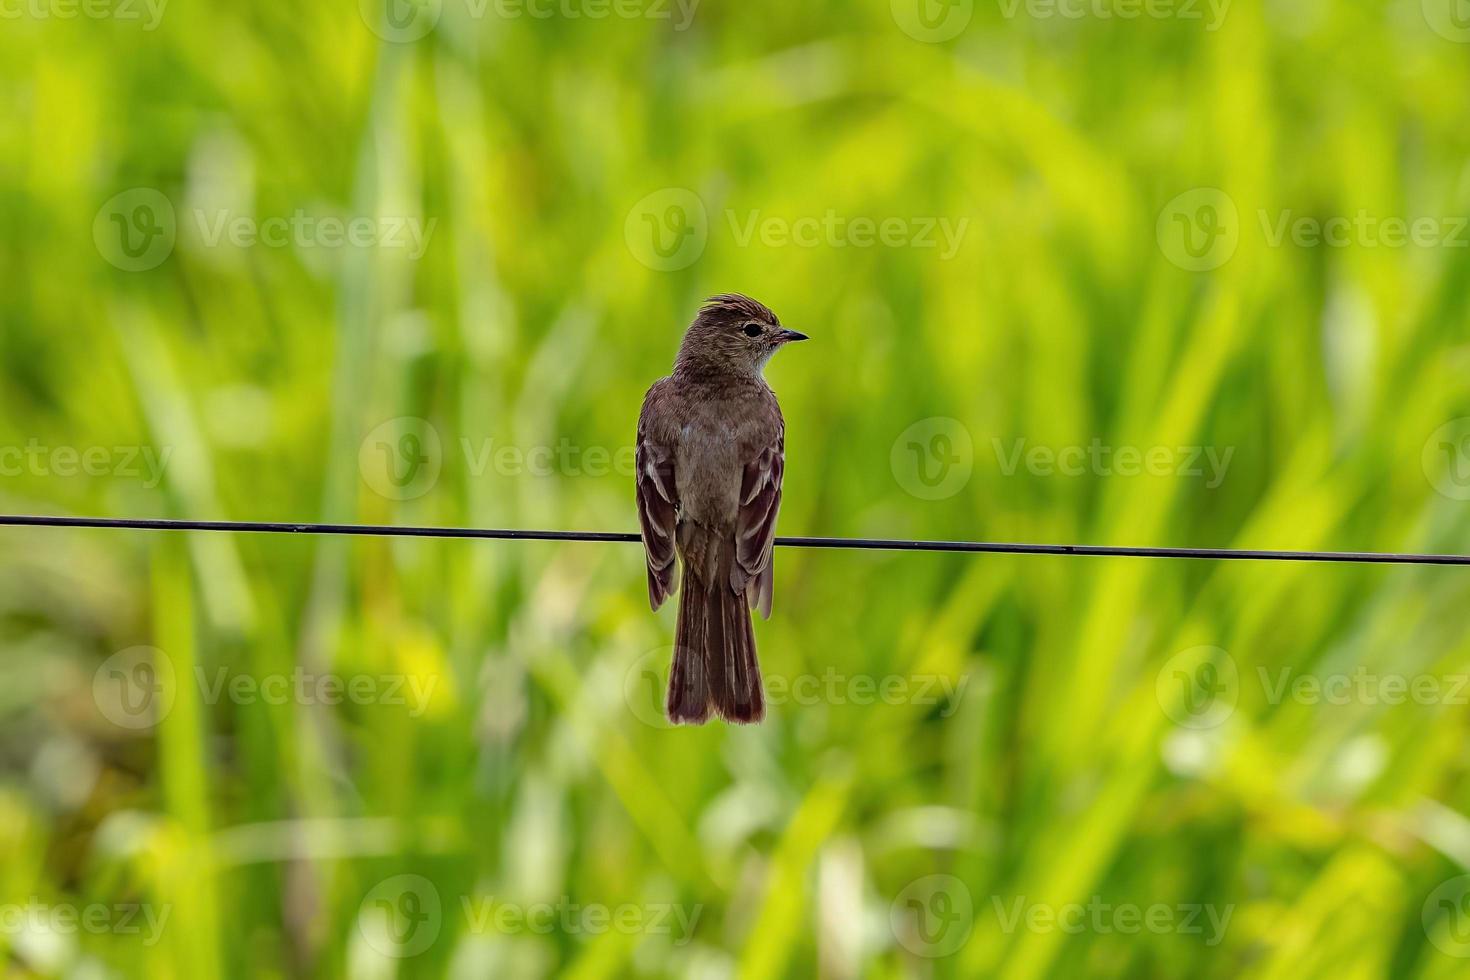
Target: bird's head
column 734, row 332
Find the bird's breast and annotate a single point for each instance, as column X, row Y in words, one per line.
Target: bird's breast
column 708, row 470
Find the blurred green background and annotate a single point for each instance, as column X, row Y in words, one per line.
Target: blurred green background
column 398, row 264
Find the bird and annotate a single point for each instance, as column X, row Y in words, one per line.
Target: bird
column 710, row 459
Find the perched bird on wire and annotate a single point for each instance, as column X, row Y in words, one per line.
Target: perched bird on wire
column 711, row 452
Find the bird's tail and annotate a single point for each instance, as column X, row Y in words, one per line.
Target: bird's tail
column 715, row 665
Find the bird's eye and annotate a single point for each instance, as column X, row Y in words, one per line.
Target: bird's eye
column 752, row 330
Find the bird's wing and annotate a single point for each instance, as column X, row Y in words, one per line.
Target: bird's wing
column 658, row 505
column 755, row 525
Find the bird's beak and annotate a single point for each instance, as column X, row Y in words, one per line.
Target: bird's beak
column 787, row 336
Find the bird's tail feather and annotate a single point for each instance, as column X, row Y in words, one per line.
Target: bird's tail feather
column 689, row 701
column 715, row 663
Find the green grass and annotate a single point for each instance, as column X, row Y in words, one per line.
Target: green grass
column 526, row 773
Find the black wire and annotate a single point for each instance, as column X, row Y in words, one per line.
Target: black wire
column 866, row 544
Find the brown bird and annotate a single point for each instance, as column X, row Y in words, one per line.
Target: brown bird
column 711, row 452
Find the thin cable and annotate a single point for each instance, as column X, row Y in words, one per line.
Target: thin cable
column 865, row 544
